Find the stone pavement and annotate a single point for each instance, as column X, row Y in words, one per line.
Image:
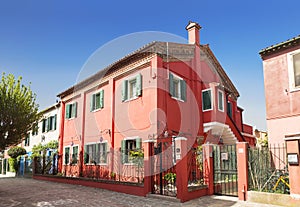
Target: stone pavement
column 29, row 192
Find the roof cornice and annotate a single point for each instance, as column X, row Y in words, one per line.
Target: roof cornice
column 280, row 46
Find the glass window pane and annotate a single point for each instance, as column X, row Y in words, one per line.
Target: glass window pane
column 296, row 59
column 206, row 100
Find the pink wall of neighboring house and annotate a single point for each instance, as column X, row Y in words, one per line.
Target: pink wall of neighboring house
column 282, row 99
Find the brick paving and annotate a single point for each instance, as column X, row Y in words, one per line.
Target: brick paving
column 29, row 192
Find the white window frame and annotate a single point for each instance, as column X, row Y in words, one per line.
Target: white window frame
column 290, row 62
column 76, row 112
column 94, row 106
column 211, row 99
column 129, row 139
column 178, row 79
column 130, row 87
column 223, row 106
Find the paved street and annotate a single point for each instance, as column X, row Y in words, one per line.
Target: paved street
column 28, row 192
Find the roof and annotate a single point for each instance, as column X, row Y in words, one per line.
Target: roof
column 280, row 46
column 166, row 50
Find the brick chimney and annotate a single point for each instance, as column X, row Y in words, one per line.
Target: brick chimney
column 193, row 32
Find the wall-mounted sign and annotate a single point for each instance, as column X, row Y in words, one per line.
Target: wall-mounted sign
column 293, row 158
column 224, row 156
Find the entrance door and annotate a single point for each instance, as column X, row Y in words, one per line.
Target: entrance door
column 225, row 170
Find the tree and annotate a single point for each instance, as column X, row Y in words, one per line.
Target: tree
column 18, row 110
column 14, row 154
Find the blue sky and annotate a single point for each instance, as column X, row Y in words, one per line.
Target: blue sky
column 48, row 42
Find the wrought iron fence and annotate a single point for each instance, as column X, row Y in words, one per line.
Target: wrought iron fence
column 268, row 171
column 195, row 167
column 46, row 165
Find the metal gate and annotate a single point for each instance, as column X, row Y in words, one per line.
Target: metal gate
column 163, row 168
column 225, row 170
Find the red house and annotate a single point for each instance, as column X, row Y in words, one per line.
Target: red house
column 176, row 96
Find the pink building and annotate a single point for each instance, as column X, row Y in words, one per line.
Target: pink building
column 173, row 94
column 281, row 64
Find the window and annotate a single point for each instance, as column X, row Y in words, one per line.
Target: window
column 128, row 145
column 27, row 140
column 95, row 153
column 132, row 88
column 49, row 123
column 229, row 109
column 206, row 100
column 177, row 87
column 74, row 154
column 71, row 110
column 221, row 100
column 97, row 100
column 296, row 64
column 67, row 156
column 35, row 129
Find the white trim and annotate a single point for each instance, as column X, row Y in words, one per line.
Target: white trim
column 211, row 99
column 223, row 102
column 291, row 76
column 131, row 138
column 96, row 92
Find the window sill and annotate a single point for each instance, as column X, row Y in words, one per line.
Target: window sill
column 131, row 99
column 100, row 164
column 69, row 119
column 206, row 110
column 178, row 99
column 96, row 110
column 295, row 89
column 129, row 164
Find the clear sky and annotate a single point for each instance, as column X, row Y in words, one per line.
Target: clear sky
column 48, row 42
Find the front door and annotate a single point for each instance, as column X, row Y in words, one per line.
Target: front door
column 225, row 170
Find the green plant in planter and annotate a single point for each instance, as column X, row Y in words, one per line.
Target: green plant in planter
column 113, row 175
column 170, row 177
column 137, row 157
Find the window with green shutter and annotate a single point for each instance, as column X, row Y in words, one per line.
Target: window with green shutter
column 177, row 87
column 71, row 110
column 132, row 88
column 97, row 100
column 129, row 145
column 207, row 100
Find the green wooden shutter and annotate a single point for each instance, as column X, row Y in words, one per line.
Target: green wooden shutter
column 86, row 154
column 74, row 110
column 92, row 103
column 138, row 143
column 183, row 90
column 67, row 111
column 171, row 84
column 139, row 85
column 123, row 151
column 125, row 90
column 105, row 152
column 55, row 121
column 101, row 98
column 97, row 153
column 48, row 124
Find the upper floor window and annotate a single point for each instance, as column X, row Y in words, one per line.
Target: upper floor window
column 35, row 129
column 221, row 100
column 132, row 88
column 49, row 123
column 27, row 140
column 71, row 110
column 294, row 69
column 97, row 100
column 207, row 100
column 296, row 64
column 177, row 87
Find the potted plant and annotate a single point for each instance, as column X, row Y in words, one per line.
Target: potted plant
column 113, row 175
column 170, row 177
